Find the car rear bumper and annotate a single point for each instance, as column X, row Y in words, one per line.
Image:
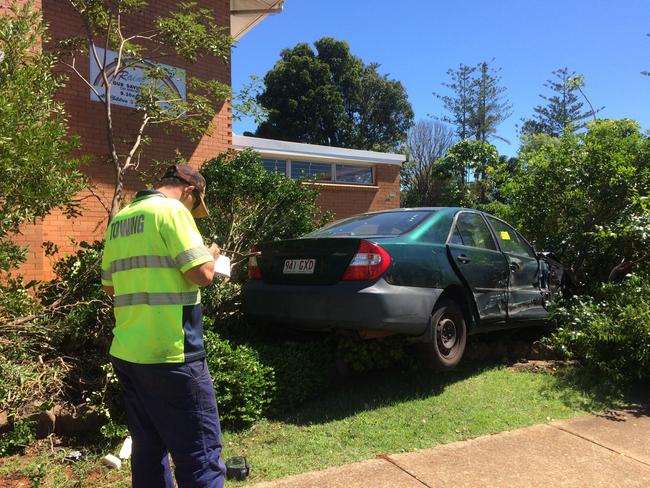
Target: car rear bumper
column 345, row 305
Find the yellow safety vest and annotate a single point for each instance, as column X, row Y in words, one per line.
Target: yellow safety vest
column 148, row 247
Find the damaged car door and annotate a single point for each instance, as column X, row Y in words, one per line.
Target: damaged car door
column 474, row 254
column 525, row 300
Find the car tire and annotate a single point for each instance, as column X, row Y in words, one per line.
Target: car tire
column 449, row 336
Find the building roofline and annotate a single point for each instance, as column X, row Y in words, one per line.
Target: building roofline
column 298, row 151
column 246, row 14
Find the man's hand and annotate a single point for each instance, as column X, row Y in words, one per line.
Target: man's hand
column 214, row 250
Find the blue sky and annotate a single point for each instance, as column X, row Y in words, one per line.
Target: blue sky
column 416, row 41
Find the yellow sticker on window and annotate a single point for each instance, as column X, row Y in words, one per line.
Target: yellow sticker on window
column 504, row 235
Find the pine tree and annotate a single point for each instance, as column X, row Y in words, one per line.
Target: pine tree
column 477, row 104
column 563, row 109
column 460, row 104
column 490, row 107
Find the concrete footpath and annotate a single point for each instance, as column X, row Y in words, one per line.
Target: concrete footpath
column 607, row 450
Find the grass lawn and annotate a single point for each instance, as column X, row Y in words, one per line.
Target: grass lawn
column 365, row 416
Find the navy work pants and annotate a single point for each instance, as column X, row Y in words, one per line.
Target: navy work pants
column 171, row 409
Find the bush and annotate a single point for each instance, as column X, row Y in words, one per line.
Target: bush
column 576, row 190
column 25, row 380
column 249, row 205
column 301, row 370
column 609, row 332
column 79, row 318
column 16, row 300
column 67, row 329
column 77, row 310
column 107, row 402
column 366, row 355
column 21, row 436
column 244, row 387
column 221, row 305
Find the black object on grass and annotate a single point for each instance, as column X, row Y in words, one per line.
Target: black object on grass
column 237, row 468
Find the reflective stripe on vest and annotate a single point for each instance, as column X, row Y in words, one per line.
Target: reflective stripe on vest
column 135, row 262
column 190, row 255
column 163, row 298
column 107, row 275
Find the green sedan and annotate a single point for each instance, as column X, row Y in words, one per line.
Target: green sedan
column 435, row 274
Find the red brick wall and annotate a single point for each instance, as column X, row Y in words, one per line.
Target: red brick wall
column 347, row 200
column 86, row 120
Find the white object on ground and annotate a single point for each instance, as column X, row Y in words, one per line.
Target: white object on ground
column 222, row 266
column 125, row 451
column 112, row 461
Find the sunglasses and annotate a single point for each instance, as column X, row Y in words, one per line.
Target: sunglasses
column 197, row 198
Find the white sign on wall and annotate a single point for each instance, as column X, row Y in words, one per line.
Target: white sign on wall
column 127, row 83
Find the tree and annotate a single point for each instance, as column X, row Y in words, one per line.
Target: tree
column 583, row 196
column 490, row 108
column 189, row 32
column 423, row 182
column 39, row 173
column 461, row 104
column 477, row 104
column 563, row 109
column 470, row 164
column 332, row 97
column 383, row 113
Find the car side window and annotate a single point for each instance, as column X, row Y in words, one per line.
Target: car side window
column 509, row 239
column 455, row 237
column 473, row 231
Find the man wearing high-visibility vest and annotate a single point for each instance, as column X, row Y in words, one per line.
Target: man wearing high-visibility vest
column 153, row 265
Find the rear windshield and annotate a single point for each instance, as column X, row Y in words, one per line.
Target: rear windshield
column 378, row 224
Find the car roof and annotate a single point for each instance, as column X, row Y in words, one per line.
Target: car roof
column 412, row 209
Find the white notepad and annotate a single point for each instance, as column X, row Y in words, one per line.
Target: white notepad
column 222, row 266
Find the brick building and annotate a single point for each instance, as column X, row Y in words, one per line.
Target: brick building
column 86, row 119
column 350, row 181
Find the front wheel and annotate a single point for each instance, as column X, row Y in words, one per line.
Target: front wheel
column 449, row 336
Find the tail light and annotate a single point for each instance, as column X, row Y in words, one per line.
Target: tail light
column 254, row 271
column 369, row 263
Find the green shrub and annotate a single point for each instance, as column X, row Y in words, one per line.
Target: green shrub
column 302, row 370
column 576, row 193
column 249, row 205
column 18, row 375
column 79, row 318
column 27, row 380
column 16, row 300
column 78, row 311
column 366, row 355
column 221, row 304
column 21, row 436
column 107, row 402
column 609, row 332
column 58, row 354
column 244, row 387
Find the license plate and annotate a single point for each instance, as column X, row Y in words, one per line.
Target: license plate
column 299, row 266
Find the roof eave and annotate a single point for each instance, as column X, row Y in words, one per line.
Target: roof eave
column 246, row 14
column 301, row 151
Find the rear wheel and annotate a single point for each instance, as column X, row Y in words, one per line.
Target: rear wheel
column 449, row 336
